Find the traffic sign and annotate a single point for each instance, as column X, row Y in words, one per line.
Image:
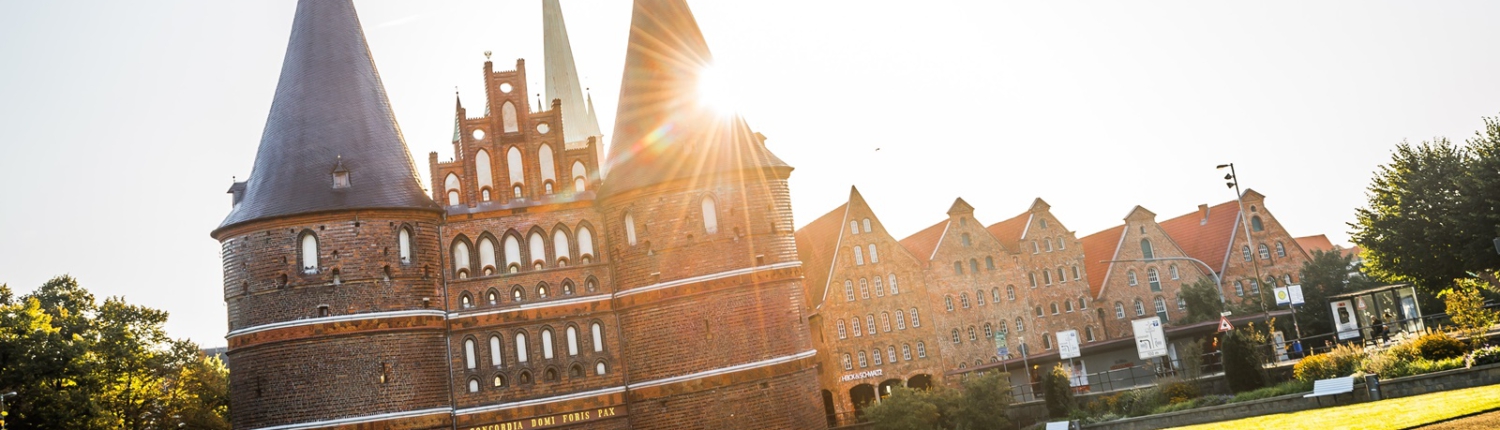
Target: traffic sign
column 1224, row 325
column 1150, row 341
column 1001, row 349
column 1283, row 296
column 1067, row 344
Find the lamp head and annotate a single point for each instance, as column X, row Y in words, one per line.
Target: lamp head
column 1221, row 166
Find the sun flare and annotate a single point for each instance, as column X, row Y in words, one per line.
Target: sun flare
column 718, row 89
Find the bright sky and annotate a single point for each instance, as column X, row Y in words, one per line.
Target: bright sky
column 122, row 123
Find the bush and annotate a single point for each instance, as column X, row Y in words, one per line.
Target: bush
column 1057, row 392
column 1485, row 356
column 1438, row 346
column 1144, row 401
column 1343, row 360
column 1178, row 391
column 1243, row 361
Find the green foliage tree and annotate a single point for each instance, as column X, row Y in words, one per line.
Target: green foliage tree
column 1057, row 392
column 1433, row 213
column 1243, row 358
column 980, row 405
column 1466, row 309
column 905, row 409
column 983, row 403
column 77, row 364
column 1203, row 302
column 1325, row 274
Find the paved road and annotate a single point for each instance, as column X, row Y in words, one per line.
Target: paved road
column 1485, row 421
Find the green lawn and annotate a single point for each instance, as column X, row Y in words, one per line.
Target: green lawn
column 1392, row 414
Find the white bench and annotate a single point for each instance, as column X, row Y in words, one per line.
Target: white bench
column 1331, row 387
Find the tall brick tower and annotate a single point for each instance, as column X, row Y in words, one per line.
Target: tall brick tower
column 709, row 295
column 331, row 253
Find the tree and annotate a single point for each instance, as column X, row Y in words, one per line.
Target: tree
column 983, row 403
column 1243, row 357
column 1202, row 300
column 1325, row 274
column 905, row 409
column 1431, row 216
column 1466, row 308
column 980, row 404
column 77, row 364
column 1057, row 391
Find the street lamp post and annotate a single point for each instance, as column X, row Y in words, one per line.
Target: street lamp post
column 1233, row 179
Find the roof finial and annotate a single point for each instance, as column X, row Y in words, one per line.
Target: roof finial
column 487, row 55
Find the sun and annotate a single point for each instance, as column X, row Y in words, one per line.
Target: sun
column 718, row 89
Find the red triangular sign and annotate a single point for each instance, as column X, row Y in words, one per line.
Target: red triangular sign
column 1224, row 325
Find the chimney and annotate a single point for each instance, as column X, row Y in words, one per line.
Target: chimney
column 1202, row 214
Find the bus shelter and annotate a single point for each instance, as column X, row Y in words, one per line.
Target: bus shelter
column 1360, row 314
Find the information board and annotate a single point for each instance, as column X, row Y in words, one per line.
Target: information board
column 1150, row 340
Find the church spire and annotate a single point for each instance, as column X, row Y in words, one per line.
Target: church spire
column 458, row 117
column 330, row 108
column 663, row 131
column 562, row 75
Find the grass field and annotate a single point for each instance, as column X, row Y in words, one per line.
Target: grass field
column 1388, row 414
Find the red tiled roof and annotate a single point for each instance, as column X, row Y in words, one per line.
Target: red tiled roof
column 1315, row 243
column 817, row 245
column 1206, row 241
column 1008, row 232
column 924, row 242
column 1098, row 248
column 1352, row 250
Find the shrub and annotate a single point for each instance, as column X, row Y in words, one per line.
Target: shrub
column 1343, row 360
column 1485, row 356
column 1438, row 346
column 1057, row 392
column 1242, row 361
column 1178, row 391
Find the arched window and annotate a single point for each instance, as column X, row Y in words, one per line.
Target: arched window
column 864, row 360
column 874, row 257
column 1032, row 277
column 1020, row 325
column 561, row 247
column 585, row 244
column 1181, row 303
column 486, row 256
column 916, row 321
column 508, row 116
column 1255, row 224
column 451, row 183
column 1246, row 252
column 512, row 254
column 870, row 324
column 538, row 248
column 597, row 332
column 900, row 320
column 875, row 357
column 906, row 351
column 879, row 287
column 965, row 239
column 1130, row 278
column 1254, row 287
column 1280, row 250
column 470, row 360
column 499, row 381
column 921, row 349
column 1035, row 247
column 711, row 215
column 482, row 170
column 464, row 301
column 890, row 352
column 521, row 347
column 1082, row 304
column 1088, row 333
column 1054, row 308
column 1001, row 327
column 1172, row 270
column 600, row 368
column 843, row 334
column 1047, row 341
column 972, row 336
column 403, row 245
column 956, row 339
column 309, row 251
column 541, row 291
column 1047, row 277
column 1061, row 277
column 1153, row 279
column 517, row 294
column 958, row 267
column 473, row 385
column 864, row 288
column 547, row 344
column 548, row 165
column 1076, row 275
column 1287, row 278
column 853, row 227
column 1060, row 245
column 1239, row 288
column 973, row 266
column 995, row 295
column 517, row 170
column 859, row 255
column 989, row 331
column 1010, row 292
column 461, row 258
column 1140, row 309
column 894, row 291
column 1119, row 310
column 855, row 326
column 629, row 229
column 1067, row 306
column 948, row 303
column 989, row 263
column 979, row 297
column 1040, row 312
column 495, row 351
column 1161, row 305
column 580, row 177
column 572, row 334
column 1146, row 251
column 1048, row 241
column 848, row 290
column 1265, row 253
column 964, row 298
column 867, row 225
column 848, row 363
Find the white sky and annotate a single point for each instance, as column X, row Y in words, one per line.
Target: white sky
column 121, row 123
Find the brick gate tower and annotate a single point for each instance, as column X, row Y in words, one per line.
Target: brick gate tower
column 331, row 253
column 709, row 295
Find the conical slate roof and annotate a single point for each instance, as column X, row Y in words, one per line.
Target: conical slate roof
column 329, row 109
column 562, row 75
column 663, row 131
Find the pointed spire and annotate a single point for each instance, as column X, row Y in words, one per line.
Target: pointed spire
column 662, row 130
column 330, row 107
column 458, row 116
column 562, row 75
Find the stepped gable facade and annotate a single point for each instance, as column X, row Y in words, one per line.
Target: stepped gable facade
column 1139, row 272
column 527, row 290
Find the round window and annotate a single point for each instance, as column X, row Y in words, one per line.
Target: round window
column 505, row 87
column 543, row 128
column 478, row 134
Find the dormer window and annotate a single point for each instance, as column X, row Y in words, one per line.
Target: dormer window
column 340, row 175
